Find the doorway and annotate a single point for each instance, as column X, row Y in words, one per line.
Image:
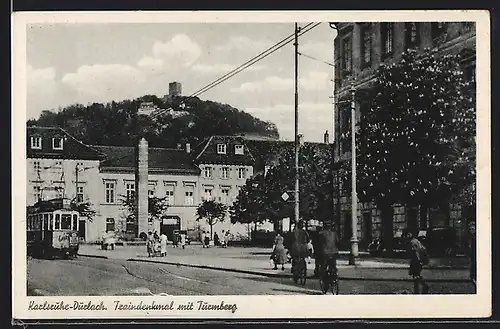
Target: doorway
column 367, row 229
column 81, row 229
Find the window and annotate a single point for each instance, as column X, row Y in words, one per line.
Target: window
column 438, row 29
column 75, row 223
column 37, row 191
column 130, row 191
column 36, row 143
column 60, row 192
column 225, row 172
column 412, row 35
column 79, row 194
column 387, row 30
column 241, row 173
column 151, row 190
column 57, row 222
column 346, row 53
column 208, row 194
column 169, row 194
column 366, row 45
column 57, row 143
column 36, row 166
column 189, row 196
column 225, row 195
column 110, row 192
column 238, row 149
column 65, row 222
column 110, row 225
column 207, row 172
column 50, row 221
column 221, row 148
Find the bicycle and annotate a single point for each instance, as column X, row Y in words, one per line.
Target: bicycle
column 329, row 280
column 300, row 271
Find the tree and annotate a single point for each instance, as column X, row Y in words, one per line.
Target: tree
column 414, row 139
column 260, row 198
column 213, row 212
column 85, row 209
column 250, row 207
column 157, row 207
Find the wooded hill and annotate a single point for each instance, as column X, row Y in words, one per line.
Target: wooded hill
column 117, row 123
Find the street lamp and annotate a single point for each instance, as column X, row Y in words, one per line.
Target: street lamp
column 354, row 198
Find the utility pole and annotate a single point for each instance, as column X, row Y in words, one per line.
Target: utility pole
column 297, row 142
column 76, row 182
column 354, row 198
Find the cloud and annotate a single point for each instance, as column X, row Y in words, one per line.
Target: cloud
column 180, row 49
column 105, row 82
column 243, row 43
column 314, row 119
column 314, row 80
column 149, row 62
column 222, row 68
column 42, row 90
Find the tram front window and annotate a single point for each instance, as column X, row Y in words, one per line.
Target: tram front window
column 57, row 223
column 65, row 222
column 75, row 223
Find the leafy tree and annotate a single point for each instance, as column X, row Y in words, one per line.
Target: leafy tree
column 85, row 209
column 415, row 139
column 250, row 207
column 117, row 122
column 260, row 198
column 212, row 211
column 156, row 207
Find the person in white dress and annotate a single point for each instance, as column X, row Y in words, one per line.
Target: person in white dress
column 163, row 244
column 183, row 240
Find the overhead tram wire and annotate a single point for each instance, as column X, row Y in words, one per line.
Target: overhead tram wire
column 250, row 62
column 316, row 59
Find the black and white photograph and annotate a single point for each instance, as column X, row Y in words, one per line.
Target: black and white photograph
column 188, row 163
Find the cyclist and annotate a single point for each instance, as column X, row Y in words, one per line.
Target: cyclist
column 328, row 241
column 300, row 238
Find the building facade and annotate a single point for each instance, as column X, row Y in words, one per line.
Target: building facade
column 360, row 48
column 59, row 166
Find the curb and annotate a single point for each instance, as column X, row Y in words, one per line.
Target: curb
column 93, row 256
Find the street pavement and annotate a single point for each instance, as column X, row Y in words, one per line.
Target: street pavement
column 257, row 261
column 88, row 276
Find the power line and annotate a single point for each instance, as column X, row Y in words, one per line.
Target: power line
column 316, row 59
column 250, row 62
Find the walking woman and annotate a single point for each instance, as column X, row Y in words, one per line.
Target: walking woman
column 279, row 253
column 149, row 244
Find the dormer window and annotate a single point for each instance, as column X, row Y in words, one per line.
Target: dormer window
column 36, row 143
column 221, row 148
column 57, row 143
column 238, row 149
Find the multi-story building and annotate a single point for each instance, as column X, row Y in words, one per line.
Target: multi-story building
column 59, row 166
column 106, row 176
column 361, row 48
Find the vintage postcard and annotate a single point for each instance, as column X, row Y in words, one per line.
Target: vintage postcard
column 251, row 165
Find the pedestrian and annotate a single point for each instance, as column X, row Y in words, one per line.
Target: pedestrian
column 207, row 240
column 149, row 243
column 183, row 240
column 216, row 239
column 163, row 244
column 310, row 251
column 202, row 237
column 278, row 254
column 472, row 251
column 300, row 238
column 418, row 258
column 223, row 239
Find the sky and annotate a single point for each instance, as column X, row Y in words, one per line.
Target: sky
column 95, row 62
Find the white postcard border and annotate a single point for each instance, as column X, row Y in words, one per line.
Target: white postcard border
column 255, row 307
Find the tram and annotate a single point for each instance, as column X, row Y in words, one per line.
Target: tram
column 52, row 229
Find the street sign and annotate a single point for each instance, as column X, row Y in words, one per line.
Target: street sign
column 285, row 196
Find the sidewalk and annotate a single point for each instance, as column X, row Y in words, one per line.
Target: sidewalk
column 255, row 261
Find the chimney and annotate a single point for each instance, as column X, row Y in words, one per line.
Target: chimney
column 326, row 137
column 141, row 185
column 188, row 148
